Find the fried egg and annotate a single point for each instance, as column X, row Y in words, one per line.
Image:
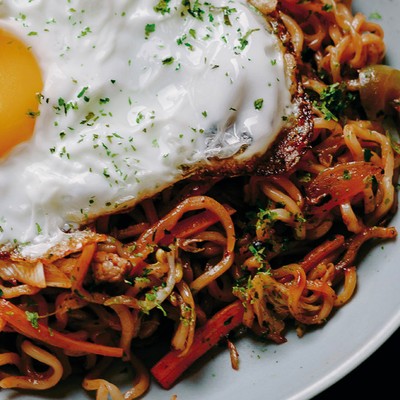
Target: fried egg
column 105, row 103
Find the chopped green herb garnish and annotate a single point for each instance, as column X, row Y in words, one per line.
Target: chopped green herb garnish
column 327, row 7
column 258, row 104
column 168, row 60
column 32, row 317
column 162, row 7
column 346, row 175
column 375, row 15
column 334, row 100
column 149, row 28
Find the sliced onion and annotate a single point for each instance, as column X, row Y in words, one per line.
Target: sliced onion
column 55, row 277
column 30, row 274
column 379, row 90
column 163, row 292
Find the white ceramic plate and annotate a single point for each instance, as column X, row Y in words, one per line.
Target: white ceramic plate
column 301, row 368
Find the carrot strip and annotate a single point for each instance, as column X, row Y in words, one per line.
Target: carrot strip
column 192, row 225
column 173, row 364
column 17, row 318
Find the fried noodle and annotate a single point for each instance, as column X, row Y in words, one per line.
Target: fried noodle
column 280, row 250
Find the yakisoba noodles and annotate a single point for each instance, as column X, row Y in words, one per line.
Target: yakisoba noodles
column 205, row 257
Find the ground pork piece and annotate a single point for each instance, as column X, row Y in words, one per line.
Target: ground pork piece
column 109, row 267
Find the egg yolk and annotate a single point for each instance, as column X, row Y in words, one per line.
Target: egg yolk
column 20, row 84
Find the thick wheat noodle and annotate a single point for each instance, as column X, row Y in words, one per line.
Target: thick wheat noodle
column 279, row 214
column 9, row 359
column 141, row 381
column 295, row 287
column 211, row 236
column 350, row 281
column 179, row 340
column 296, row 33
column 40, row 381
column 331, row 125
column 184, row 334
column 66, row 364
column 314, row 40
column 350, row 218
column 127, row 322
column 350, row 138
column 327, row 295
column 132, row 230
column 312, row 166
column 105, row 389
column 279, row 197
column 335, row 34
column 348, row 36
column 356, row 59
column 223, row 293
column 318, row 87
column 291, row 189
column 338, row 57
column 319, row 230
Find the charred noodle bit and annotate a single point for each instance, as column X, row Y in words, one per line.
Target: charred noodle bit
column 253, row 246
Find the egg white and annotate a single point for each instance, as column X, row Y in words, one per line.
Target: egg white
column 133, row 96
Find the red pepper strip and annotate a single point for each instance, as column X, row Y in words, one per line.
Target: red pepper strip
column 193, row 225
column 16, row 318
column 172, row 365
